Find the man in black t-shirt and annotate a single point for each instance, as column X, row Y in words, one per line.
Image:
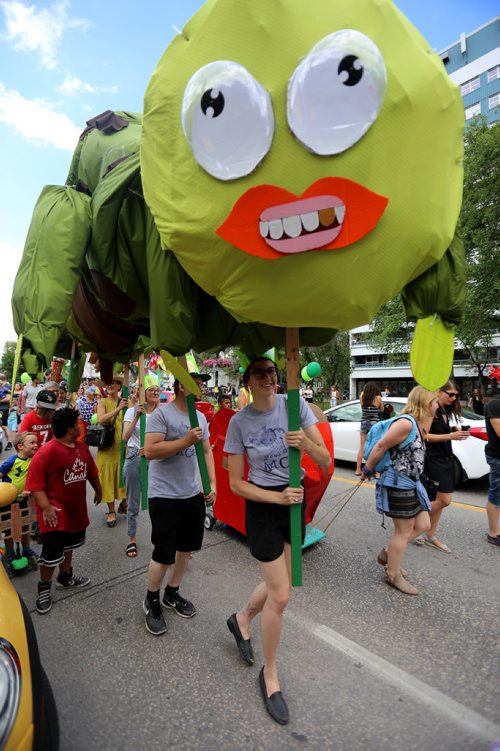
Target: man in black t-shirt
column 492, row 451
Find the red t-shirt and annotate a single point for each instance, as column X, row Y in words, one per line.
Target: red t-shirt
column 62, row 472
column 34, row 424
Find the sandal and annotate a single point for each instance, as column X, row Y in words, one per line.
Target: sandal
column 433, row 542
column 420, row 540
column 131, row 550
column 111, row 522
column 122, row 508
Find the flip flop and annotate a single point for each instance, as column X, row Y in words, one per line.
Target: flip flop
column 357, row 474
column 433, row 542
column 111, row 522
column 131, row 550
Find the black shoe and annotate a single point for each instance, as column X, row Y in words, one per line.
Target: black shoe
column 8, row 446
column 63, row 582
column 244, row 645
column 275, row 704
column 182, row 607
column 155, row 622
column 44, row 600
column 495, row 540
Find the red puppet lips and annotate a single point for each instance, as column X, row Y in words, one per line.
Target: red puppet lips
column 270, row 222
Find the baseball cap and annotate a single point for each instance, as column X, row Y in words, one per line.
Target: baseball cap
column 46, row 399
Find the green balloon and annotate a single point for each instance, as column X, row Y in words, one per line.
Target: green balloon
column 314, row 369
column 93, row 420
column 241, row 370
column 25, row 378
column 305, row 375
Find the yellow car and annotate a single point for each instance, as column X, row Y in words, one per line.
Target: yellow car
column 28, row 714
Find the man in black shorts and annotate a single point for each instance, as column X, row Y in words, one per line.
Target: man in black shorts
column 176, row 505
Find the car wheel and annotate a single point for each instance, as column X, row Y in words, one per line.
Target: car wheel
column 458, row 472
column 209, row 521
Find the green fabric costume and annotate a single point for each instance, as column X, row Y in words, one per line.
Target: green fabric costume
column 147, row 264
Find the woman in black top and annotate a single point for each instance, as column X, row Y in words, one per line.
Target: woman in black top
column 439, row 458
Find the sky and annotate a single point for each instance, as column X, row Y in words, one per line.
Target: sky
column 63, row 62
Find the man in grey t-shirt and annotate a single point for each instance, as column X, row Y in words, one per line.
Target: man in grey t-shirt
column 176, row 503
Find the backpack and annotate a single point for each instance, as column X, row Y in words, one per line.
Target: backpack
column 380, row 429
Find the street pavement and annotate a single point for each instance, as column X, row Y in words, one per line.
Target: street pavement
column 362, row 666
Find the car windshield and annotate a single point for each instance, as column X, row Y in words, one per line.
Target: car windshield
column 469, row 414
column 347, row 413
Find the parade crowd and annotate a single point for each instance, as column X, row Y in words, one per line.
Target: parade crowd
column 52, row 461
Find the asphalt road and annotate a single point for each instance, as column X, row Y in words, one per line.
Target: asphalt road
column 362, row 666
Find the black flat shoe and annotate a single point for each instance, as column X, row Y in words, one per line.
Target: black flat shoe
column 275, row 704
column 244, row 645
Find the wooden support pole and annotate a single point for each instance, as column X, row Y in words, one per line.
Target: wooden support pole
column 294, row 455
column 125, row 395
column 142, row 429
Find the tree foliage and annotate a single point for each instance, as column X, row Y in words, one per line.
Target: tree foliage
column 8, row 355
column 480, row 220
column 334, row 358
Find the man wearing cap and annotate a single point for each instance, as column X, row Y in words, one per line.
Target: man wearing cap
column 176, row 505
column 39, row 420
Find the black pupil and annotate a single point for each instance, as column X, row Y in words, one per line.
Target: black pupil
column 354, row 75
column 216, row 104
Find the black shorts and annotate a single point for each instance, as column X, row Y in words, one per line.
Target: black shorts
column 176, row 524
column 56, row 544
column 268, row 527
column 440, row 469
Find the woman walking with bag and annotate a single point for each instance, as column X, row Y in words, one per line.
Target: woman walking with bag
column 109, row 412
column 132, row 466
column 399, row 492
column 439, row 458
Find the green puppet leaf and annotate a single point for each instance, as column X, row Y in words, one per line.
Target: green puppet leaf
column 431, row 354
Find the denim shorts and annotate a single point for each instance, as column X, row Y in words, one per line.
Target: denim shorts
column 494, row 490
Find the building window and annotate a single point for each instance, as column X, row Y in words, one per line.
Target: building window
column 472, row 111
column 493, row 73
column 493, row 101
column 469, row 86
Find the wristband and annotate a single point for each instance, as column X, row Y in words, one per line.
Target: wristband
column 367, row 472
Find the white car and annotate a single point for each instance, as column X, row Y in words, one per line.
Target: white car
column 468, row 456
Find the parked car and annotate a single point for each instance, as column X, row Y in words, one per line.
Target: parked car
column 28, row 714
column 468, row 456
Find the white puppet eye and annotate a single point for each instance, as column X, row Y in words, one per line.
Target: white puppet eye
column 336, row 92
column 228, row 120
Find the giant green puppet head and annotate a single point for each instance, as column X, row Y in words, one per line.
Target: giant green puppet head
column 303, row 160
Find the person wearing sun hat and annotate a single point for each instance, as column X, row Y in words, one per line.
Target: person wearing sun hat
column 134, row 451
column 110, row 411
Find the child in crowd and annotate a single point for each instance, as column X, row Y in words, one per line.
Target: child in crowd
column 14, row 470
column 58, row 480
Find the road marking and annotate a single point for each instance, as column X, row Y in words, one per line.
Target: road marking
column 460, row 504
column 470, row 721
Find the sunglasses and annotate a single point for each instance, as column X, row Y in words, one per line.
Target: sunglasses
column 154, row 392
column 451, row 394
column 262, row 372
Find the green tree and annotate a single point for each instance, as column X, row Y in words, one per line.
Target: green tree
column 334, row 358
column 480, row 220
column 8, row 355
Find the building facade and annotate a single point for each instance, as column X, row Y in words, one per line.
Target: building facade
column 370, row 364
column 473, row 63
